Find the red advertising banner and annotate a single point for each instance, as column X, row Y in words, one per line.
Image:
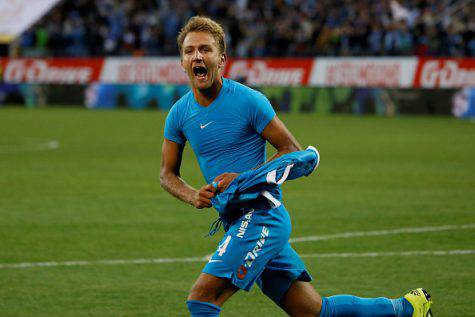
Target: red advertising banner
column 363, row 72
column 445, row 73
column 52, row 71
column 405, row 72
column 166, row 70
column 270, row 72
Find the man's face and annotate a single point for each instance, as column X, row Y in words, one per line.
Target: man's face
column 201, row 59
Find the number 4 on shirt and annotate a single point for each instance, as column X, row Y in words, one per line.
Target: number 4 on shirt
column 222, row 247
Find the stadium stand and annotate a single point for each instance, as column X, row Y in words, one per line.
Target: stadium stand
column 258, row 28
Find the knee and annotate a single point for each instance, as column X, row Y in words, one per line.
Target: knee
column 211, row 289
column 302, row 300
column 309, row 307
column 202, row 293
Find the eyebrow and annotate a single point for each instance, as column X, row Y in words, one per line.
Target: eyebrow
column 199, row 46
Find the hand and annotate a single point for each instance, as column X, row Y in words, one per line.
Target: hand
column 224, row 180
column 202, row 198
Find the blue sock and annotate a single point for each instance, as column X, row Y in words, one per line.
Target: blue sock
column 402, row 307
column 202, row 309
column 348, row 305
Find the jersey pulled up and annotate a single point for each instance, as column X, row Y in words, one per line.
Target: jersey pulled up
column 226, row 135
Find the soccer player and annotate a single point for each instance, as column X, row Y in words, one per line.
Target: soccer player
column 227, row 124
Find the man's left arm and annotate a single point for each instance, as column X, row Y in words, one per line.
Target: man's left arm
column 277, row 134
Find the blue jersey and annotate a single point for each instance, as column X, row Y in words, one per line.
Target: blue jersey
column 226, row 135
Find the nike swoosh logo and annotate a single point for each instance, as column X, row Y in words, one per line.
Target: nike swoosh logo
column 211, row 261
column 202, row 126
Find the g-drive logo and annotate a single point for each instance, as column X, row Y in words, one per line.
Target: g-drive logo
column 251, row 256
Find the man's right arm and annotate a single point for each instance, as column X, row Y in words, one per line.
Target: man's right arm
column 172, row 182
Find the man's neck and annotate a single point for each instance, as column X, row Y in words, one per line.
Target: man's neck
column 206, row 96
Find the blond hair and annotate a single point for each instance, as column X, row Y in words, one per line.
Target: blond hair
column 203, row 24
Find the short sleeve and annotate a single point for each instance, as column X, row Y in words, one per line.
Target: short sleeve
column 173, row 130
column 261, row 112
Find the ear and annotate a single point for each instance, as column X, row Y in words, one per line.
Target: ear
column 222, row 60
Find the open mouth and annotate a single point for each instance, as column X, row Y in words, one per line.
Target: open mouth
column 200, row 72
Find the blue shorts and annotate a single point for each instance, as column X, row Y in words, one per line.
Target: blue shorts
column 256, row 249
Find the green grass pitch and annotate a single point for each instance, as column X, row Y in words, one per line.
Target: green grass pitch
column 97, row 197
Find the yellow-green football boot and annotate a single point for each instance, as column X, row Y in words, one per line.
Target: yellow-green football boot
column 420, row 301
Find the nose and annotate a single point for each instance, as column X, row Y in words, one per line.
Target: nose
column 197, row 56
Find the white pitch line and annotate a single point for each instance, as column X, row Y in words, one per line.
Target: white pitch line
column 100, row 262
column 30, row 145
column 346, row 235
column 294, row 240
column 380, row 254
column 202, row 259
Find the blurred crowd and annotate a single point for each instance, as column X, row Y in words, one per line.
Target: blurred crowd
column 258, row 28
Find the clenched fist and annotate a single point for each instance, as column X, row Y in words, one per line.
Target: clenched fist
column 203, row 196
